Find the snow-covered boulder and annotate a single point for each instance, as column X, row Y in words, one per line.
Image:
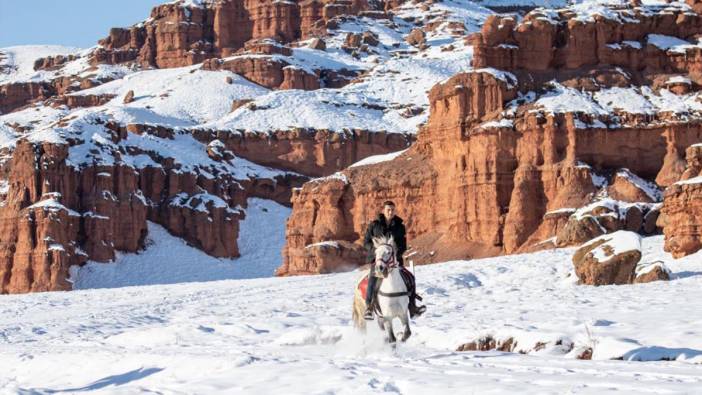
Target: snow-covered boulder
column 652, row 271
column 608, row 259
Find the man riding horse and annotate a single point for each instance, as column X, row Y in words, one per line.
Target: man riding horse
column 388, row 224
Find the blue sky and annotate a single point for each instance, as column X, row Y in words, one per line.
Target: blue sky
column 76, row 23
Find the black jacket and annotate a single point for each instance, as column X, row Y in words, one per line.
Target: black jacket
column 378, row 228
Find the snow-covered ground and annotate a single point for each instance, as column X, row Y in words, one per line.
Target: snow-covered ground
column 294, row 335
column 166, row 96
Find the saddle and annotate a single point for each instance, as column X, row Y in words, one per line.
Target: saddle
column 407, row 276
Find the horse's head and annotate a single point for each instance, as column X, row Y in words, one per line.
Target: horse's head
column 385, row 259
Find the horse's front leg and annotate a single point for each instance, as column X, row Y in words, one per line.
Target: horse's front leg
column 381, row 322
column 407, row 332
column 390, row 333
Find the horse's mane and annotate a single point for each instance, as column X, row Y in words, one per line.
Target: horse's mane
column 386, row 240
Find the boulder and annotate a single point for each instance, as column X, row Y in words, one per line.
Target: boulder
column 628, row 187
column 654, row 271
column 579, row 230
column 318, row 44
column 353, row 40
column 416, row 37
column 370, row 38
column 129, row 97
column 608, row 259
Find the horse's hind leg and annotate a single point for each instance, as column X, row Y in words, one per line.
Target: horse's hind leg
column 390, row 333
column 407, row 332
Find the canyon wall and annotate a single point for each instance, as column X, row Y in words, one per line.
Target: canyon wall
column 493, row 173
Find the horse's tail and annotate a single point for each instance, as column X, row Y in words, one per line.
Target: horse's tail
column 359, row 307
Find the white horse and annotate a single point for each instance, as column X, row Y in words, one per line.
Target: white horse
column 393, row 295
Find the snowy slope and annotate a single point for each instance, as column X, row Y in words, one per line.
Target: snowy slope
column 175, row 97
column 293, row 335
column 156, row 265
column 17, row 63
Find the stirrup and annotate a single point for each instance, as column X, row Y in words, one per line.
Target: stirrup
column 416, row 311
column 368, row 314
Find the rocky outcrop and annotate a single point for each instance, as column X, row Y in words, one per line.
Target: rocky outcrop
column 314, row 153
column 53, row 62
column 681, row 215
column 609, row 259
column 548, row 41
column 74, row 101
column 326, row 257
column 267, row 71
column 179, row 35
column 88, row 210
column 16, row 95
column 607, row 216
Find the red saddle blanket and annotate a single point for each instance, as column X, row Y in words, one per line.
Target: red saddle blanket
column 406, row 275
column 363, row 286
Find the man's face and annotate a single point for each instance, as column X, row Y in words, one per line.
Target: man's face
column 389, row 212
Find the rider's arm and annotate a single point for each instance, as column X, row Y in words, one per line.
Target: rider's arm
column 368, row 240
column 402, row 242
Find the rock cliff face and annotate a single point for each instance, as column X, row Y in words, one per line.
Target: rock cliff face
column 314, row 153
column 682, row 208
column 629, row 37
column 61, row 208
column 69, row 214
column 178, row 35
column 506, row 159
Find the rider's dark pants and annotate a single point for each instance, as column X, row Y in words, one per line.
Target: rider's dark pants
column 372, row 281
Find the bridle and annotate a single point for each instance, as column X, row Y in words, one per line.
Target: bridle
column 390, row 262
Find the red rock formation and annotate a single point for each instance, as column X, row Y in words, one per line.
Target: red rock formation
column 681, row 215
column 267, row 71
column 470, row 191
column 74, row 101
column 91, row 211
column 656, row 271
column 542, row 44
column 53, row 62
column 100, row 209
column 16, row 95
column 176, row 35
column 314, row 153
